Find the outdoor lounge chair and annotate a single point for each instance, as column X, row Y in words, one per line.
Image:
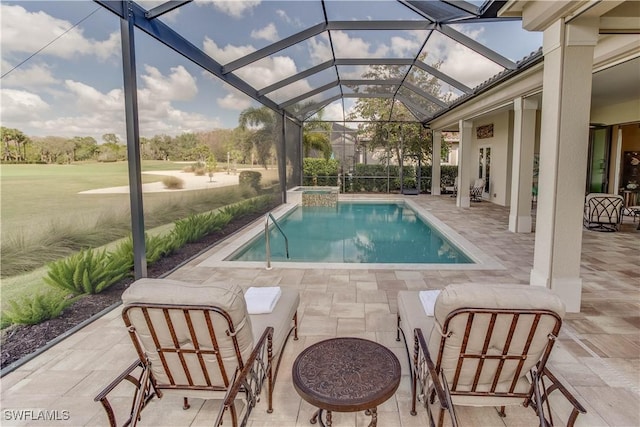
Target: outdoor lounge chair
column 484, row 345
column 603, row 212
column 476, row 190
column 199, row 341
column 454, row 188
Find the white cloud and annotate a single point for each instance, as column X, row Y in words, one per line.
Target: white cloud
column 35, row 75
column 88, row 98
column 179, row 85
column 226, row 54
column 235, row 101
column 268, row 70
column 269, row 33
column 286, row 18
column 333, row 111
column 232, row 8
column 345, row 46
column 21, row 106
column 27, row 32
column 460, row 62
column 405, row 48
column 89, row 111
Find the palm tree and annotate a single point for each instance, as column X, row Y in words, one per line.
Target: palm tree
column 314, row 136
column 267, row 130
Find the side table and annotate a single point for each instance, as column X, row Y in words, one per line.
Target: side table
column 346, row 375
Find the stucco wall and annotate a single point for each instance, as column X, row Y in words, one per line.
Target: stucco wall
column 625, row 112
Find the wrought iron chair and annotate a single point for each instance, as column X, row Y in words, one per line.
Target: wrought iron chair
column 198, row 341
column 476, row 190
column 603, row 212
column 453, row 189
column 486, row 345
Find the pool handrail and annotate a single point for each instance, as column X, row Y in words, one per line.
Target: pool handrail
column 266, row 238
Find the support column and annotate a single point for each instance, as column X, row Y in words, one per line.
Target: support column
column 436, row 139
column 465, row 164
column 566, row 99
column 524, row 135
column 133, row 144
column 281, row 155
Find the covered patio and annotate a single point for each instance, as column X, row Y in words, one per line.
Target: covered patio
column 540, row 101
column 597, row 356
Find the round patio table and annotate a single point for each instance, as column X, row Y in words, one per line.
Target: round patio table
column 346, row 375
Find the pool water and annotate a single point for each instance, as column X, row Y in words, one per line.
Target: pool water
column 355, row 233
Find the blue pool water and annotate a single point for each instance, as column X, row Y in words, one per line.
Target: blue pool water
column 355, row 233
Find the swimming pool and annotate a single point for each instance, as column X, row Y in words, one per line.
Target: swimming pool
column 352, row 232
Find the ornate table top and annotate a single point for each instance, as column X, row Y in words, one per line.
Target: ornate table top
column 346, row 374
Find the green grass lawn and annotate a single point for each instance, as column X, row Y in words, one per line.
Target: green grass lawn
column 41, row 211
column 34, row 195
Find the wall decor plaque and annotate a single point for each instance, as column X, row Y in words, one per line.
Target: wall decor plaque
column 485, row 131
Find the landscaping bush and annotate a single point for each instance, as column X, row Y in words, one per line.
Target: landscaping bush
column 87, row 272
column 199, row 172
column 448, row 174
column 372, row 178
column 36, row 309
column 251, row 179
column 155, row 246
column 173, row 183
column 319, row 172
column 195, row 227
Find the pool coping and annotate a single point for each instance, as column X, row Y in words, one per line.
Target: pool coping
column 217, row 257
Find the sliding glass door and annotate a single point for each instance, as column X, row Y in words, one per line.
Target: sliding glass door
column 598, row 166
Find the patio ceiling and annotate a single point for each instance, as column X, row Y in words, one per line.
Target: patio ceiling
column 340, row 51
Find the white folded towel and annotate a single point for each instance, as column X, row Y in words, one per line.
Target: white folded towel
column 262, row 300
column 428, row 299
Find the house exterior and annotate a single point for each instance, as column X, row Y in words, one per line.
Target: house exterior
column 573, row 112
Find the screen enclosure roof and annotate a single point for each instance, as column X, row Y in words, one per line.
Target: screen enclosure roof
column 316, row 58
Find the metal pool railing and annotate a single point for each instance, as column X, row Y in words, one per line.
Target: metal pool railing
column 266, row 238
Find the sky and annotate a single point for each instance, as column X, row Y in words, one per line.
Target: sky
column 62, row 68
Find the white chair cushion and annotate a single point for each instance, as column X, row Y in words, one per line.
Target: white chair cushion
column 280, row 318
column 500, row 296
column 166, row 291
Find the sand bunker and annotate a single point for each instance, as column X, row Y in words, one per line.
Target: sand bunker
column 191, row 182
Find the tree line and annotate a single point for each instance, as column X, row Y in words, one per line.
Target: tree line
column 223, row 144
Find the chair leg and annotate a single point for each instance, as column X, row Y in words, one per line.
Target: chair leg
column 502, row 412
column 185, row 403
column 270, row 373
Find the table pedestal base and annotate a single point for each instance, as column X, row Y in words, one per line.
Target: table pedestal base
column 317, row 417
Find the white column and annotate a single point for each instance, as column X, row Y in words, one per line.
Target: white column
column 465, row 164
column 566, row 99
column 524, row 138
column 436, row 137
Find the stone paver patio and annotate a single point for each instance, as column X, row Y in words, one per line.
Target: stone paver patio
column 597, row 356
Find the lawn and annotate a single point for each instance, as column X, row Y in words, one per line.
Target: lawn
column 35, row 195
column 41, row 201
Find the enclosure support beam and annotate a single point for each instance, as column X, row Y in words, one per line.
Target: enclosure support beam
column 282, row 159
column 133, row 143
column 436, row 139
